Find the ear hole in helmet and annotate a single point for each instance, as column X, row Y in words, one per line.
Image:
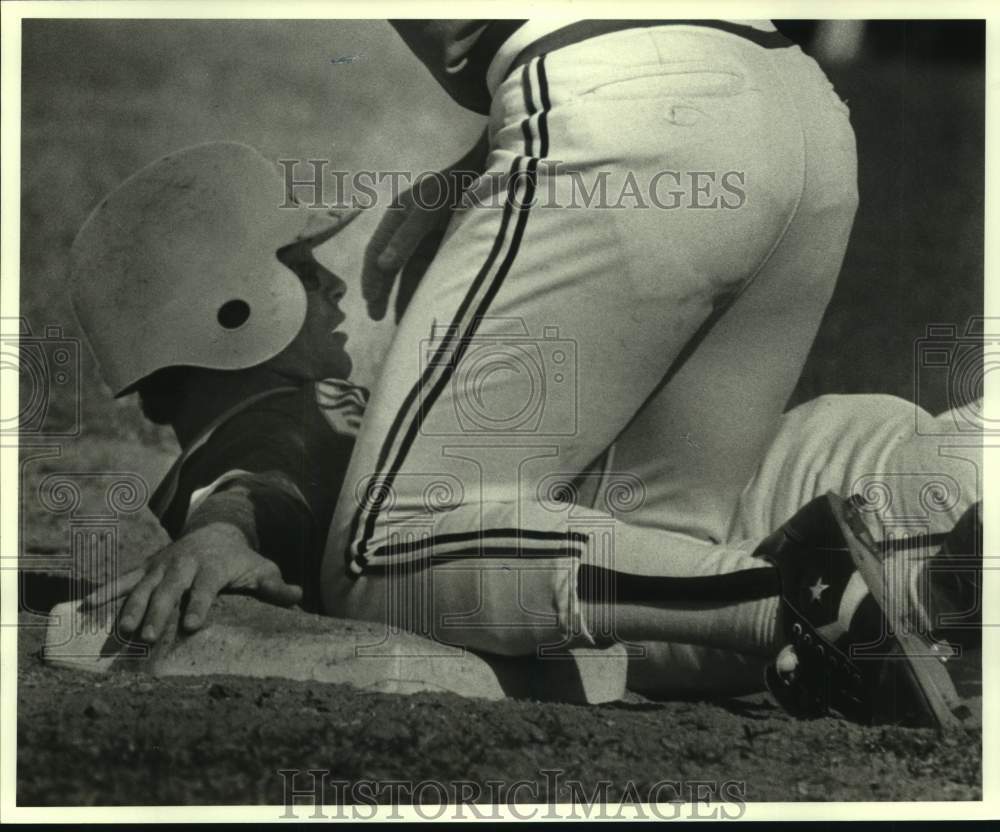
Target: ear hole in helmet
column 233, row 314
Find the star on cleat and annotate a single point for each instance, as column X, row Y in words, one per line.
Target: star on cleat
column 818, row 588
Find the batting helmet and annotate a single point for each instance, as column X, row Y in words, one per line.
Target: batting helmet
column 177, row 266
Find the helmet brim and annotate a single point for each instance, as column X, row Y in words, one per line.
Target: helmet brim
column 323, row 223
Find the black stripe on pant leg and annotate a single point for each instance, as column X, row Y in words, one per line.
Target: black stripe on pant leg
column 498, row 552
column 483, row 557
column 518, row 536
column 433, row 364
column 543, row 117
column 529, row 108
column 404, row 410
column 481, row 309
column 468, row 335
column 599, row 585
column 384, row 481
column 423, row 406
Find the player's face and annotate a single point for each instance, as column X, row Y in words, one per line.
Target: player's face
column 318, row 350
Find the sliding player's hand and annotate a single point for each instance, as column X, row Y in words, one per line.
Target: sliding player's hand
column 193, row 570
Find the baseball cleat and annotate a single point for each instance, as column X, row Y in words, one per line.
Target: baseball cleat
column 859, row 623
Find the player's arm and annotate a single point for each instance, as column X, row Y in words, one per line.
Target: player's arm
column 255, row 529
column 250, row 536
column 408, row 235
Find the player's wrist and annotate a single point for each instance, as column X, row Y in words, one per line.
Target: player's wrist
column 224, row 519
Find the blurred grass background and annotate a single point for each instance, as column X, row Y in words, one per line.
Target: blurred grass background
column 102, row 98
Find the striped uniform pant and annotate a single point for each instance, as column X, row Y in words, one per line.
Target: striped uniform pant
column 596, row 361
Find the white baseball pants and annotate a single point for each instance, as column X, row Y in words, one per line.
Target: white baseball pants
column 644, row 265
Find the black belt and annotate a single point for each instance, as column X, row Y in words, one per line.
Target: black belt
column 585, row 29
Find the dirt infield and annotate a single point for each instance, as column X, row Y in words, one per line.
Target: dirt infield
column 133, row 740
